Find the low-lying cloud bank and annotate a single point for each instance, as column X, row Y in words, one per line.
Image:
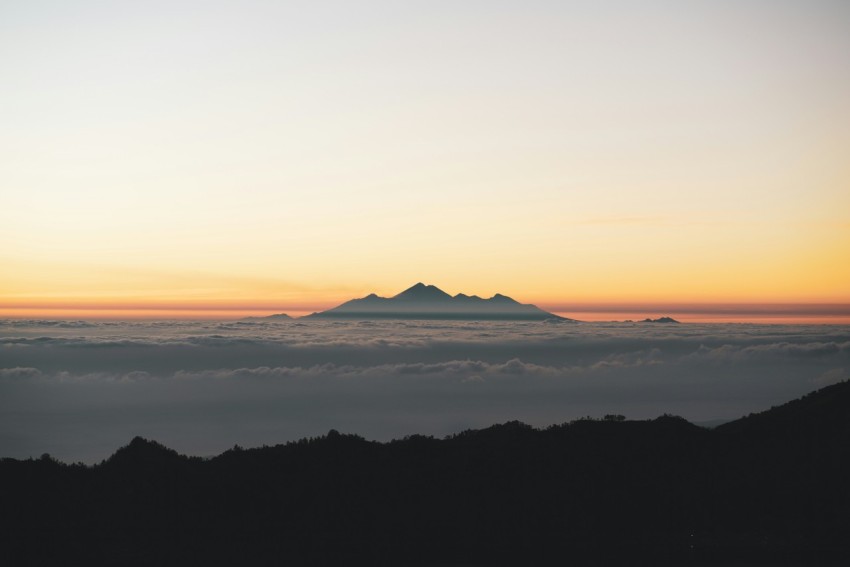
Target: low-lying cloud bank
column 78, row 391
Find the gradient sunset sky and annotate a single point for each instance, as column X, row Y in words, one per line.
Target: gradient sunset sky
column 228, row 158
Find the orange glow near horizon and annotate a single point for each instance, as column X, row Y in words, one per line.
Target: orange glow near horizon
column 156, row 170
column 91, row 294
column 775, row 313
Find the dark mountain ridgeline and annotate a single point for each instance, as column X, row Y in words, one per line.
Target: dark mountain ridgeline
column 769, row 488
column 659, row 320
column 275, row 317
column 430, row 302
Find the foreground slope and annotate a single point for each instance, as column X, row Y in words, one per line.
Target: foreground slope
column 764, row 489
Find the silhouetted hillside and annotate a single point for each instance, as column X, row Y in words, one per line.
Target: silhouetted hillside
column 820, row 415
column 766, row 489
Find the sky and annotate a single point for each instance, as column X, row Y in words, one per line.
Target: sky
column 79, row 390
column 210, row 159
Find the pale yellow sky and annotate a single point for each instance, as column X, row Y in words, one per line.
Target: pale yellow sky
column 259, row 154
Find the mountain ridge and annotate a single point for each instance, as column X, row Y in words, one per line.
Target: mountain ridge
column 424, row 301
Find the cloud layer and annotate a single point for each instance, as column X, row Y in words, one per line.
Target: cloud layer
column 80, row 389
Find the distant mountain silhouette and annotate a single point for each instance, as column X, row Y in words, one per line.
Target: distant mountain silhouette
column 767, row 489
column 275, row 317
column 659, row 320
column 430, row 302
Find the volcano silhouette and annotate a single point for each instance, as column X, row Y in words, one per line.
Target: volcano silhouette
column 430, row 302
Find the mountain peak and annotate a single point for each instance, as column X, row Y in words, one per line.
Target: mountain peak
column 660, row 320
column 422, row 292
column 142, row 452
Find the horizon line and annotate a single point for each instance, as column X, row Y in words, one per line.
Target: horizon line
column 696, row 312
column 783, row 307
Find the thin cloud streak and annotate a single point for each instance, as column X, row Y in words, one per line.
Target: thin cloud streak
column 802, row 309
column 642, row 221
column 774, row 313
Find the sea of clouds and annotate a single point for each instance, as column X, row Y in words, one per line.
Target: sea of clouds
column 80, row 389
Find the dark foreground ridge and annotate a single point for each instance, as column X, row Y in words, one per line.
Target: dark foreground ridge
column 430, row 302
column 767, row 489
